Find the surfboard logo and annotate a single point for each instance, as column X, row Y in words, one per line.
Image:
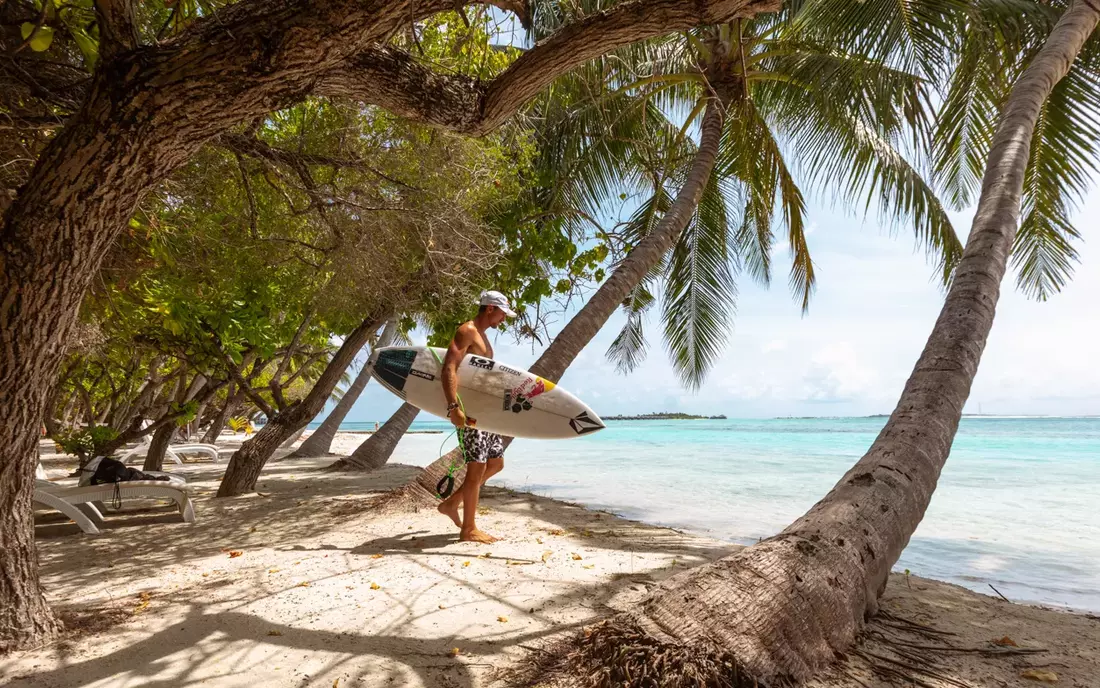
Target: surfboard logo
column 483, row 363
column 583, row 424
column 519, row 398
column 421, row 374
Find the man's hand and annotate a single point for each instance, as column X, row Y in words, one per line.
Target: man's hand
column 457, row 417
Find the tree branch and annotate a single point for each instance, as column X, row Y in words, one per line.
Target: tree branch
column 117, row 31
column 241, row 144
column 393, row 79
column 245, row 387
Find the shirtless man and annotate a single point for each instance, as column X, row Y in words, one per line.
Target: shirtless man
column 484, row 450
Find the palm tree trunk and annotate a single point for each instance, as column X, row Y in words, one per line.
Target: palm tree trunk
column 585, row 324
column 376, row 451
column 320, row 441
column 784, row 608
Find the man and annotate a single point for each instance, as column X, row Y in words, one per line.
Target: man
column 484, row 450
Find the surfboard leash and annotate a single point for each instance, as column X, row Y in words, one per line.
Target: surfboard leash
column 446, row 484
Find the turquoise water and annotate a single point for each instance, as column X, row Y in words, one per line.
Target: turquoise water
column 1018, row 504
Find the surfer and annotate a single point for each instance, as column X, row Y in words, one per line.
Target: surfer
column 484, row 450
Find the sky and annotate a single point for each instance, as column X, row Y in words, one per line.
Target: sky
column 876, row 302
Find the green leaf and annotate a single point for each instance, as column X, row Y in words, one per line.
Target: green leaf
column 40, row 36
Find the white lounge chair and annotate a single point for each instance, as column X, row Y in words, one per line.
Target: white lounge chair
column 80, row 503
column 173, row 451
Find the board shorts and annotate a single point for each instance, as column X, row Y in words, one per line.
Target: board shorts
column 481, row 445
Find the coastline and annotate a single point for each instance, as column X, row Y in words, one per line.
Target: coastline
column 156, row 600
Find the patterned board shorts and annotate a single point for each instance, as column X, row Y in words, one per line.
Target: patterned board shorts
column 482, row 446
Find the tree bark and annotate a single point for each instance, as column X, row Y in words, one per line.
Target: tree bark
column 320, row 441
column 25, row 618
column 154, row 459
column 247, row 462
column 784, row 608
column 232, row 400
column 587, row 322
column 377, row 449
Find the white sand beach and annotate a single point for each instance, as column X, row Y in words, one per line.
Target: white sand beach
column 306, row 584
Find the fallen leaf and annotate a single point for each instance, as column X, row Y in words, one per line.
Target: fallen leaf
column 587, row 533
column 303, row 584
column 589, row 566
column 1006, row 642
column 520, row 563
column 538, row 540
column 273, row 570
column 336, row 683
column 577, row 557
column 465, row 564
column 376, row 556
column 482, row 510
column 274, row 633
column 143, row 603
column 502, row 619
column 262, row 494
column 546, row 556
column 252, row 529
column 442, row 606
column 235, row 553
column 205, row 575
column 484, row 556
column 350, row 587
column 375, row 586
column 556, row 531
column 1040, row 675
column 455, row 652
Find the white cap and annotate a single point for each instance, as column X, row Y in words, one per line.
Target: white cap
column 495, row 298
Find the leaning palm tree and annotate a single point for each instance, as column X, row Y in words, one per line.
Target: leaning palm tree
column 761, row 91
column 785, row 607
column 320, row 441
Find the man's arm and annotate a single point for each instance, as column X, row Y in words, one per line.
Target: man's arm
column 455, row 353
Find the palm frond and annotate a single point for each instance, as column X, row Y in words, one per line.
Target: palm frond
column 1063, row 158
column 628, row 350
column 836, row 151
column 700, row 290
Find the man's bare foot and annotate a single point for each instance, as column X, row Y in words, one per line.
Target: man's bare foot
column 476, row 535
column 451, row 511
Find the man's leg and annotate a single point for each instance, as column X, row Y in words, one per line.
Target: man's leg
column 452, row 506
column 470, row 491
column 493, row 466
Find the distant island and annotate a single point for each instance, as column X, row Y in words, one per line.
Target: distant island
column 664, row 416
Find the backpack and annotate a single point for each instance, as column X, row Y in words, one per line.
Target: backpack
column 105, row 470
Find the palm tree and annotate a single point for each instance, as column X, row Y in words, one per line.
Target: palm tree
column 376, row 450
column 319, row 442
column 762, row 88
column 800, row 597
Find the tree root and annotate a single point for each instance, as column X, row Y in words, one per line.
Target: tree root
column 618, row 653
column 902, row 652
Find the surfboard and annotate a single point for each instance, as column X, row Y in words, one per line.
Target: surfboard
column 501, row 398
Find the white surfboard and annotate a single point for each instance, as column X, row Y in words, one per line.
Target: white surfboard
column 500, row 398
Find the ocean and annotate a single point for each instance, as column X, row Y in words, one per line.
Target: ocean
column 1017, row 507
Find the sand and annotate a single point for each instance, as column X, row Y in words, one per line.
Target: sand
column 304, row 584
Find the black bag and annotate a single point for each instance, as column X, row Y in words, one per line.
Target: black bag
column 113, row 471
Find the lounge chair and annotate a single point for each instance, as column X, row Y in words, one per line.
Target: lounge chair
column 80, row 503
column 173, row 451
